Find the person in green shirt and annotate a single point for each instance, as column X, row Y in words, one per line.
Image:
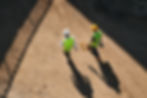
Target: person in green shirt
column 95, row 41
column 68, row 43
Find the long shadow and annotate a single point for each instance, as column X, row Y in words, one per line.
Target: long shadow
column 127, row 30
column 17, row 66
column 108, row 76
column 81, row 83
column 13, row 13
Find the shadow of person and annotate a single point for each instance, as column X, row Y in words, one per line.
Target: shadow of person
column 109, row 76
column 81, row 82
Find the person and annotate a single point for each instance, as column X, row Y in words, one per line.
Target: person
column 96, row 41
column 68, row 43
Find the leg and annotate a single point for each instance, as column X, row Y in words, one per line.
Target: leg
column 67, row 54
column 96, row 54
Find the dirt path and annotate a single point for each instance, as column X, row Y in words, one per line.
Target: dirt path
column 45, row 72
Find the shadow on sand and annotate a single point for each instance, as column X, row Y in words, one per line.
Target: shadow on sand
column 108, row 76
column 81, row 82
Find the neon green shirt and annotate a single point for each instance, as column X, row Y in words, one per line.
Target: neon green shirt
column 96, row 39
column 68, row 44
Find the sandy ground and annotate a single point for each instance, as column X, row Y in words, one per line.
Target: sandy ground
column 45, row 72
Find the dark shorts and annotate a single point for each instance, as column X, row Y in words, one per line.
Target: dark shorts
column 94, row 51
column 67, row 54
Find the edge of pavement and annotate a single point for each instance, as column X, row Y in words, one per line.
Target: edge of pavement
column 15, row 54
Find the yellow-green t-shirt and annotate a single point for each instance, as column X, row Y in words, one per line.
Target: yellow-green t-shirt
column 68, row 44
column 96, row 39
